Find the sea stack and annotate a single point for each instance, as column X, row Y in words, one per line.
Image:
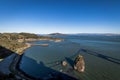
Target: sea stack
column 64, row 63
column 79, row 63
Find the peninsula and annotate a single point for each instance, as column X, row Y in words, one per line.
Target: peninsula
column 13, row 44
column 16, row 42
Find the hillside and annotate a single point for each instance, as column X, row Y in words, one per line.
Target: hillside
column 15, row 42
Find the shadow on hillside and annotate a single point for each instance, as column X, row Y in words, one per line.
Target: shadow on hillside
column 108, row 58
column 4, row 52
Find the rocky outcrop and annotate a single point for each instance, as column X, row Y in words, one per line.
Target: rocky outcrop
column 21, row 50
column 79, row 63
column 64, row 63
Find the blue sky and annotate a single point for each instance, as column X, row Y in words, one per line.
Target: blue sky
column 64, row 16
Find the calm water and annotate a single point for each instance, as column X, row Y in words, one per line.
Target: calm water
column 102, row 57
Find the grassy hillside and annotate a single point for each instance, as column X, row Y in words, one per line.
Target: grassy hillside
column 16, row 42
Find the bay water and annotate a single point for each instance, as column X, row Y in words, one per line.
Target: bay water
column 101, row 55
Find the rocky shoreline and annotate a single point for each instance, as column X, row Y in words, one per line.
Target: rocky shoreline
column 21, row 50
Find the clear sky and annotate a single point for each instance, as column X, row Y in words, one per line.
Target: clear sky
column 64, row 16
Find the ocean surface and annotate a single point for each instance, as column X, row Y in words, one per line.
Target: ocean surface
column 101, row 55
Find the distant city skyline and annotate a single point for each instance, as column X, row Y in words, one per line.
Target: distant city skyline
column 60, row 16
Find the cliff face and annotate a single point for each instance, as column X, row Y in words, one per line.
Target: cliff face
column 79, row 63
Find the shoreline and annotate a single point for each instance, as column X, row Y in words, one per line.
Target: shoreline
column 32, row 39
column 20, row 74
column 21, row 50
column 15, row 65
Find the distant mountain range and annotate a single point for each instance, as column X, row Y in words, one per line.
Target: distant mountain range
column 57, row 34
column 86, row 34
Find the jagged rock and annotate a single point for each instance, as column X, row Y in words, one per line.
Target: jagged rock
column 64, row 63
column 79, row 63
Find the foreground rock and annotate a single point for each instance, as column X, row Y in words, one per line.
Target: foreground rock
column 79, row 63
column 64, row 63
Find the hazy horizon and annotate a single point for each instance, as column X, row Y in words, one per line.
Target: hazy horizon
column 66, row 33
column 60, row 16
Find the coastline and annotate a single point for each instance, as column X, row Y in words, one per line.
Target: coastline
column 14, row 66
column 27, row 45
column 32, row 39
column 12, row 49
column 20, row 51
column 20, row 74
